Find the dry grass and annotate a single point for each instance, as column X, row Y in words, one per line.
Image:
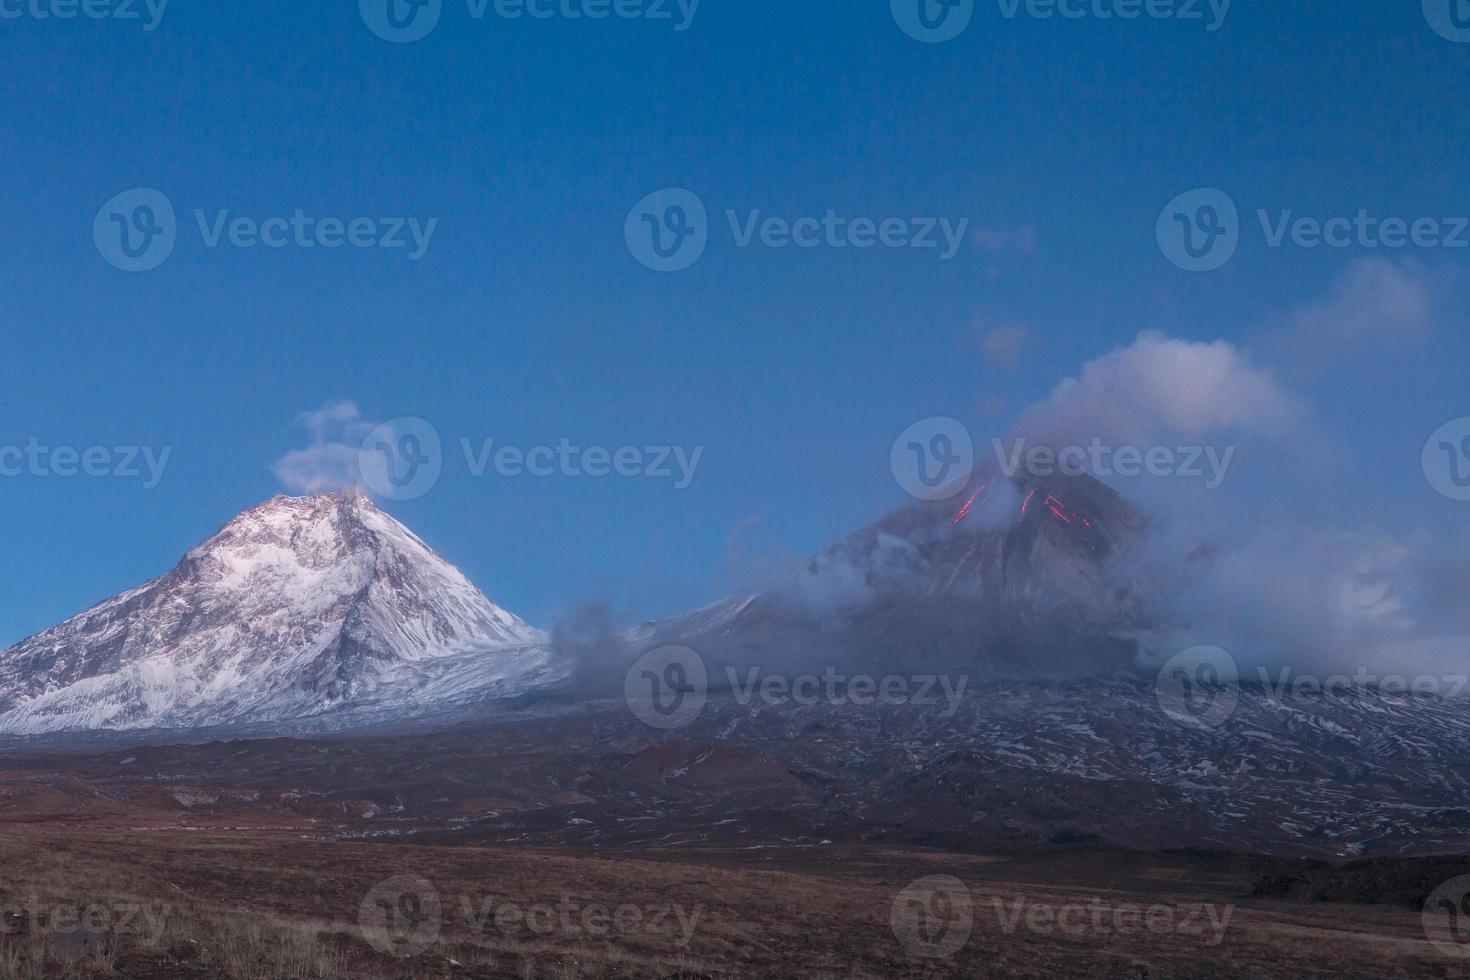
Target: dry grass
column 252, row 907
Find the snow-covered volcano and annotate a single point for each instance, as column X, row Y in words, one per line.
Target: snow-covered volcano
column 324, row 613
column 296, row 608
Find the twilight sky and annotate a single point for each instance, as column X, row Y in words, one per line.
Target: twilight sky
column 518, row 160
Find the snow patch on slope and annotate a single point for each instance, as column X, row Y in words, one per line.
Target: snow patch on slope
column 297, row 607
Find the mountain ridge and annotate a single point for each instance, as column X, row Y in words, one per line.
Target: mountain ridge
column 1010, row 578
column 323, row 609
column 296, row 606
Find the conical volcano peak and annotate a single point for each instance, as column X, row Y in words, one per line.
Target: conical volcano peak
column 1015, row 576
column 992, row 501
column 296, row 606
column 283, row 507
column 315, row 531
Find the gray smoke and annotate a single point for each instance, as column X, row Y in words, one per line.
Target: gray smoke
column 588, row 646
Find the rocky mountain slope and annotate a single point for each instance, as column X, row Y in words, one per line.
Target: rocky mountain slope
column 305, row 615
column 1013, row 578
column 296, row 608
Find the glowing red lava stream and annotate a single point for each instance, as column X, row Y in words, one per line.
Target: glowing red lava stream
column 1055, row 505
column 966, row 509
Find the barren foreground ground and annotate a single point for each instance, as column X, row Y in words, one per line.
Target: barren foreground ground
column 91, row 901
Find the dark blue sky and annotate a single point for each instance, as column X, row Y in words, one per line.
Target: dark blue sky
column 528, row 321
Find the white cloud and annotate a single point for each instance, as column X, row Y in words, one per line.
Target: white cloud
column 332, row 417
column 1003, row 346
column 1375, row 303
column 1320, row 600
column 330, row 462
column 1159, row 387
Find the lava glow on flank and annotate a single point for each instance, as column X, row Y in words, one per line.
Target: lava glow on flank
column 1057, row 506
column 969, row 503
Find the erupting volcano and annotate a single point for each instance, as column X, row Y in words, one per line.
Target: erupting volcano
column 1014, row 589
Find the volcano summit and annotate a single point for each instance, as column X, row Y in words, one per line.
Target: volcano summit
column 298, row 607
